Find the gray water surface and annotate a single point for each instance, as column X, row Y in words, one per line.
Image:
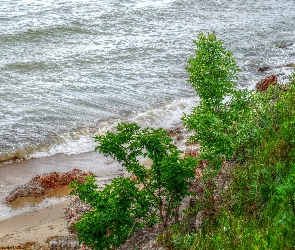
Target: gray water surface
column 67, row 68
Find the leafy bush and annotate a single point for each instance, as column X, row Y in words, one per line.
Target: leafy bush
column 212, row 71
column 229, row 124
column 166, row 182
column 116, row 211
column 217, row 121
column 153, row 194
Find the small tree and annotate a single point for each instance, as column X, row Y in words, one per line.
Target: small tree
column 218, row 124
column 115, row 213
column 167, row 181
column 212, row 71
column 153, row 195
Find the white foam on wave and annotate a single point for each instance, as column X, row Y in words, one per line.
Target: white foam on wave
column 154, row 4
column 81, row 142
column 166, row 117
column 70, row 146
column 283, row 73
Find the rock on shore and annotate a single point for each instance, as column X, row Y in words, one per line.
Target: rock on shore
column 37, row 186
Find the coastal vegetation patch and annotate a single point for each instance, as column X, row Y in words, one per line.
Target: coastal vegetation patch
column 243, row 172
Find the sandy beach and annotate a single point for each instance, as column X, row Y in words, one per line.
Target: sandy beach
column 37, row 219
column 36, row 226
column 45, row 218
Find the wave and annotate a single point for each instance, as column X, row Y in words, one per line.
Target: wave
column 153, row 4
column 46, row 32
column 25, row 66
column 82, row 141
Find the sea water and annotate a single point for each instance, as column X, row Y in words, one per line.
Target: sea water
column 71, row 69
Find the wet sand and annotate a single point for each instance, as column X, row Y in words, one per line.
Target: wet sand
column 15, row 174
column 55, row 193
column 37, row 219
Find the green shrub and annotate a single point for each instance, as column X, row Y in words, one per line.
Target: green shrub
column 116, row 211
column 229, row 124
column 166, row 182
column 153, row 195
column 212, row 71
column 220, row 122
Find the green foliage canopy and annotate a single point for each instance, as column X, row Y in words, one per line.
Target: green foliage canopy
column 153, row 195
column 212, row 70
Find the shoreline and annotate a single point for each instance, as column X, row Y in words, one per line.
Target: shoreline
column 16, row 174
column 42, row 223
column 47, row 219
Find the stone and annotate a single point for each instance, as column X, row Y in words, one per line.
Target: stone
column 74, row 211
column 36, row 187
column 266, row 82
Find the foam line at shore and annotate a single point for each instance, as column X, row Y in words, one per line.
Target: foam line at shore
column 82, row 141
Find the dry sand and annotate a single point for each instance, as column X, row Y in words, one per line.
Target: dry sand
column 34, row 226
